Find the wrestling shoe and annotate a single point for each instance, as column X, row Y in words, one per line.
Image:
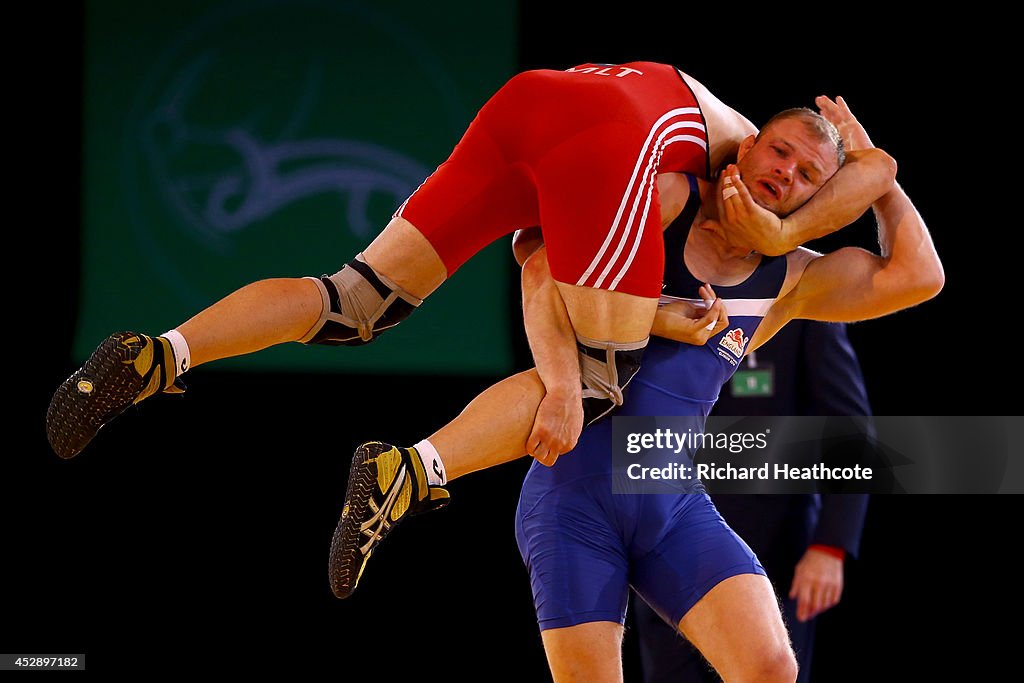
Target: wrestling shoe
column 125, row 369
column 386, row 484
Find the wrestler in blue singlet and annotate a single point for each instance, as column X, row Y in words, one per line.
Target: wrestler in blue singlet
column 583, row 545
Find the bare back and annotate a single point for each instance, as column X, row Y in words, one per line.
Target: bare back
column 726, row 127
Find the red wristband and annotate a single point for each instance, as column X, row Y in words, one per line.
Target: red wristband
column 830, row 549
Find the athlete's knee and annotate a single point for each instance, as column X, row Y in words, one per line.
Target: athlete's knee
column 358, row 305
column 777, row 665
column 606, row 369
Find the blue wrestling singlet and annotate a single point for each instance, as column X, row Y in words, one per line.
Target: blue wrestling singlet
column 585, row 546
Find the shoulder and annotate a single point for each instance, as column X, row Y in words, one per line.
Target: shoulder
column 796, row 263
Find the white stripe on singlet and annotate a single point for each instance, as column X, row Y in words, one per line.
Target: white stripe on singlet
column 647, row 206
column 647, row 152
column 748, row 307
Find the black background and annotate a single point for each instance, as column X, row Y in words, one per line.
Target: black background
column 194, row 532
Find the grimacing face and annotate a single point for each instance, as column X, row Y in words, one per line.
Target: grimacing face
column 786, row 165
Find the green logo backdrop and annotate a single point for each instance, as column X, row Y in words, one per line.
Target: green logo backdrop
column 227, row 142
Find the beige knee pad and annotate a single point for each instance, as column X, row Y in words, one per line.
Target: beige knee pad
column 358, row 305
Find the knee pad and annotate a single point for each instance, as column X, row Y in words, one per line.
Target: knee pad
column 358, row 305
column 606, row 369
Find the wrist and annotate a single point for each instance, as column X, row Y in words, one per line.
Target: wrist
column 786, row 238
column 564, row 389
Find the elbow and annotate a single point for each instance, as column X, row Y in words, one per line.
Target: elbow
column 931, row 278
column 525, row 243
column 522, row 251
column 535, row 271
column 935, row 281
column 884, row 168
column 925, row 291
column 907, row 285
column 925, row 285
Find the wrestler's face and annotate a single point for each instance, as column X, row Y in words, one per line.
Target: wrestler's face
column 786, row 165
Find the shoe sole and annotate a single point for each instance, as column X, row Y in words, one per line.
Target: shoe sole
column 94, row 395
column 346, row 560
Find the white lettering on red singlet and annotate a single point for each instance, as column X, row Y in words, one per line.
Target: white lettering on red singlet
column 617, row 71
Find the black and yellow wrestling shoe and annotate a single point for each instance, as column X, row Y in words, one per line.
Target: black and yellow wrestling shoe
column 386, row 484
column 125, row 369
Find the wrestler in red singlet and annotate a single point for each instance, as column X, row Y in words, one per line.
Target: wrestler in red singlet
column 576, row 152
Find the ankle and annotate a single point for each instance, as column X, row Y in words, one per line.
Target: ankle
column 432, row 463
column 182, row 356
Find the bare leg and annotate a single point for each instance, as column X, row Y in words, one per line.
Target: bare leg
column 281, row 310
column 588, row 653
column 738, row 628
column 493, row 428
column 259, row 315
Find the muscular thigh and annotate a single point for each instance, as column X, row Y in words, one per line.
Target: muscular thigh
column 472, row 199
column 737, row 625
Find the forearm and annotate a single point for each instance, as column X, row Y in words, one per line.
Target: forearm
column 664, row 325
column 549, row 330
column 866, row 176
column 906, row 247
column 673, row 325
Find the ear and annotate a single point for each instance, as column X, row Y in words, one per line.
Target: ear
column 745, row 146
